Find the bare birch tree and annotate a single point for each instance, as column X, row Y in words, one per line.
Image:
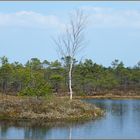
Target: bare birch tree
column 71, row 42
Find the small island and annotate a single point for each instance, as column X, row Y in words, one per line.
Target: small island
column 42, row 110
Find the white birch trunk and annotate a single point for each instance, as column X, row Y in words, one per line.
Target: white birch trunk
column 70, row 79
column 71, row 42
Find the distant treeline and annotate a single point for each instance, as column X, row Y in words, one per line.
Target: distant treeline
column 88, row 78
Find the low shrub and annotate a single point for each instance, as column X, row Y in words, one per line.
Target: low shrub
column 42, row 89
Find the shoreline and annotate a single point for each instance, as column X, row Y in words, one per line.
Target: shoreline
column 107, row 97
column 59, row 109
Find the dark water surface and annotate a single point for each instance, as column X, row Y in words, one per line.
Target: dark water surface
column 122, row 120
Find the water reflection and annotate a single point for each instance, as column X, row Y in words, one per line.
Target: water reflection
column 122, row 120
column 35, row 133
column 69, row 133
column 3, row 130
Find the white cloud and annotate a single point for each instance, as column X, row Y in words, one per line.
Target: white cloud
column 111, row 17
column 30, row 19
column 99, row 17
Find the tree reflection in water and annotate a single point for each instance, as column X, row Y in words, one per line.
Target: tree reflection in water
column 35, row 133
column 3, row 131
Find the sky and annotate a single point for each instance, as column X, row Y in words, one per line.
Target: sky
column 113, row 30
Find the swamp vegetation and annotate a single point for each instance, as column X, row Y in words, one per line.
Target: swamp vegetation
column 43, row 78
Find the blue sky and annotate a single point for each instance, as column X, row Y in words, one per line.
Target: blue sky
column 113, row 31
